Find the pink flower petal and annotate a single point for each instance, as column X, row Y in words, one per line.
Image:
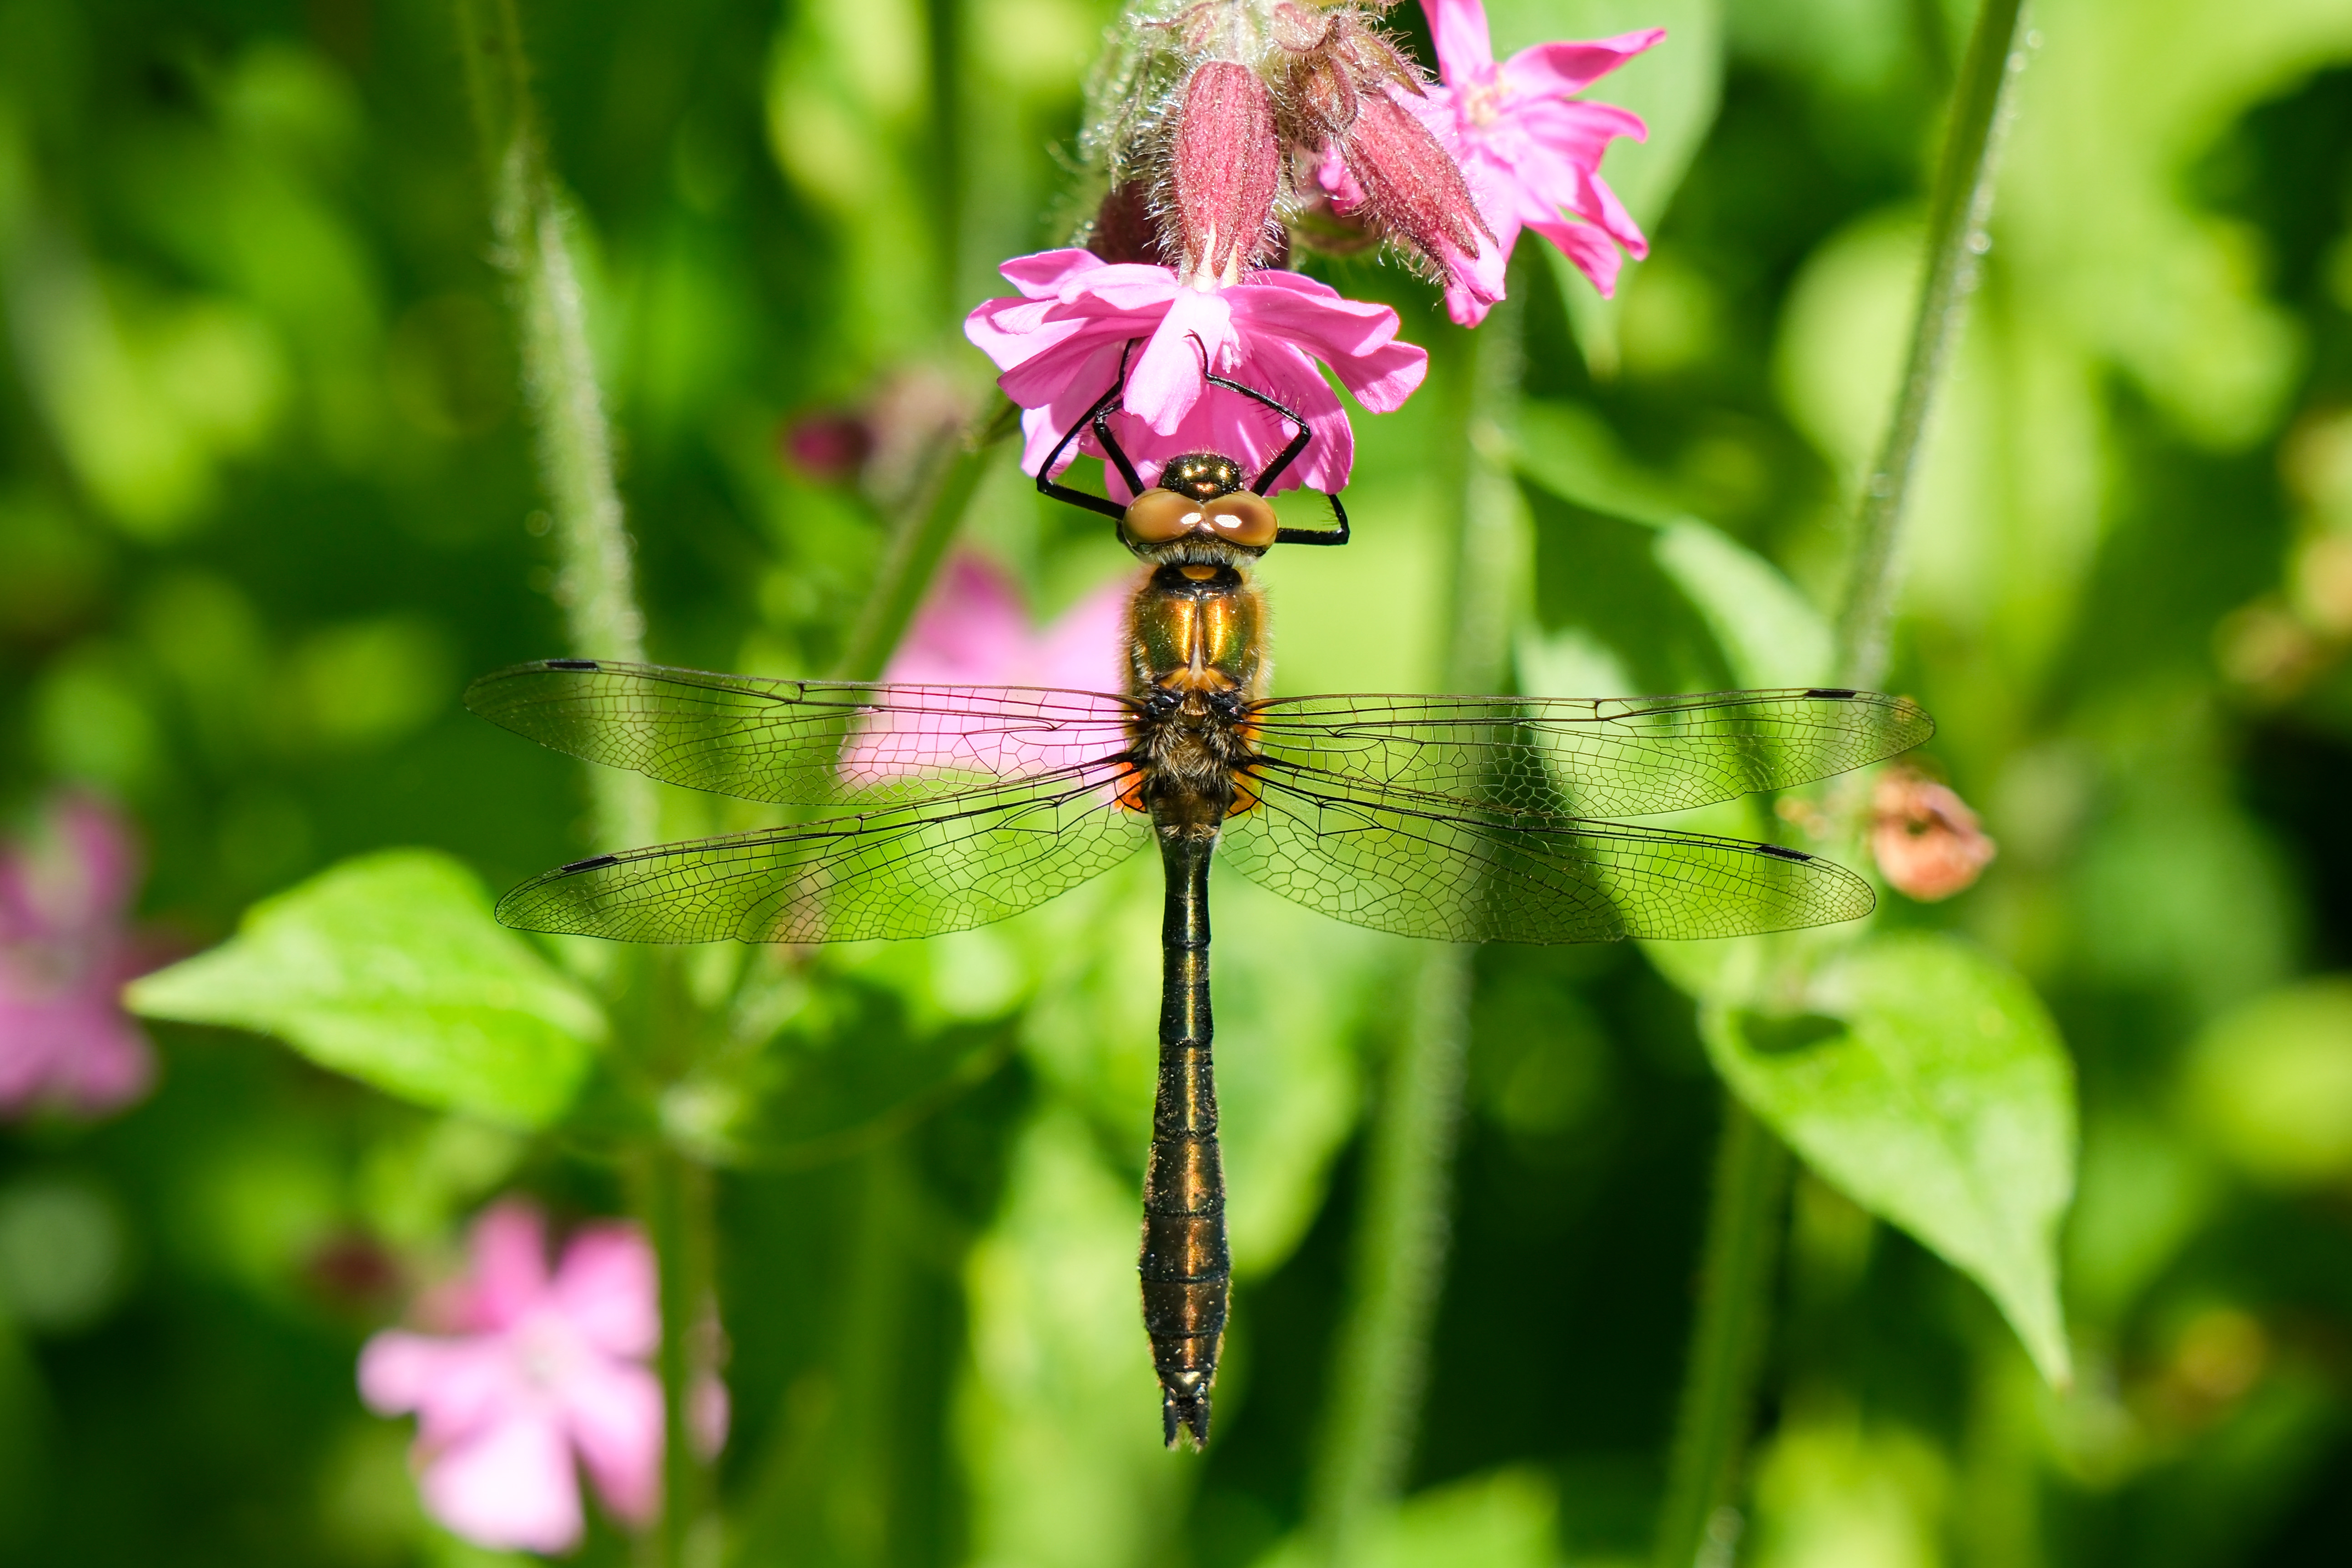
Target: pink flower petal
column 511, row 1487
column 509, row 1279
column 1561, row 69
column 1056, row 365
column 970, row 630
column 606, row 1290
column 1460, row 28
column 613, row 1412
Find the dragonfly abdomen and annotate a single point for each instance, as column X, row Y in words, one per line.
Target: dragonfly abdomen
column 1186, row 1269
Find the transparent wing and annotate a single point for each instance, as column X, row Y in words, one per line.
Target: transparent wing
column 1375, row 859
column 804, row 742
column 905, row 871
column 1561, row 757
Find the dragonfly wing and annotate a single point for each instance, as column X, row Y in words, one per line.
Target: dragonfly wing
column 1563, row 757
column 906, row 871
column 808, row 742
column 1394, row 865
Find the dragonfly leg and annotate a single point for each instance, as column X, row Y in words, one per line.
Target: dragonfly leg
column 1186, row 1269
column 1282, row 461
column 1098, row 416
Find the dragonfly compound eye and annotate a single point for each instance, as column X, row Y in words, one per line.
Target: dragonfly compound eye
column 1247, row 519
column 1159, row 517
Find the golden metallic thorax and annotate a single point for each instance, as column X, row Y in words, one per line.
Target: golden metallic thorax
column 1198, row 628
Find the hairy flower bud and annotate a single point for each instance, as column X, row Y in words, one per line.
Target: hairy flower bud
column 1406, row 182
column 1227, row 170
column 1925, row 840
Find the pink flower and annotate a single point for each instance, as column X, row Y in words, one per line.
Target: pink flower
column 1530, row 148
column 1060, row 343
column 971, row 631
column 532, row 1370
column 64, row 957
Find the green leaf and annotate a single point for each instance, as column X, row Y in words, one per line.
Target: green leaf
column 389, row 968
column 1770, row 633
column 1929, row 1085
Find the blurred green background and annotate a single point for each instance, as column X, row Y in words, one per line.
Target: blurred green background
column 266, row 498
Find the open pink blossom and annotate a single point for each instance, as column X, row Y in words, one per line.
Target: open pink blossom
column 1530, row 148
column 1059, row 345
column 65, row 1040
column 972, row 631
column 533, row 1369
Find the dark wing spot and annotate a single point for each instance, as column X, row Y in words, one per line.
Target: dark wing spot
column 1773, row 850
column 594, row 863
column 1837, row 691
column 583, row 664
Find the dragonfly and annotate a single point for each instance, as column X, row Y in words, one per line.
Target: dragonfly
column 1465, row 819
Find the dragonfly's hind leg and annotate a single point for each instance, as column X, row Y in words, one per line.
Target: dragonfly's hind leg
column 1187, row 1270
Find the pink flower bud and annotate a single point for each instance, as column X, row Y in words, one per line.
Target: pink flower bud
column 1925, row 840
column 1412, row 189
column 1124, row 230
column 1227, row 170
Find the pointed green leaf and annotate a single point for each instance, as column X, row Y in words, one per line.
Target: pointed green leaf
column 1770, row 633
column 1931, row 1085
column 389, row 968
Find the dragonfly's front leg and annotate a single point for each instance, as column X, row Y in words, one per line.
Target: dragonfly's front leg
column 1187, row 1270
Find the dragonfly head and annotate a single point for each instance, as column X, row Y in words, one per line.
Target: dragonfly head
column 1199, row 512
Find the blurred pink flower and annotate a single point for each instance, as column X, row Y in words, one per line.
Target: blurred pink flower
column 1530, row 148
column 531, row 1370
column 1059, row 345
column 972, row 631
column 65, row 1040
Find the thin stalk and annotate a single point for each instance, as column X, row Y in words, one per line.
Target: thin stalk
column 1380, row 1365
column 921, row 538
column 1957, row 211
column 533, row 226
column 674, row 1207
column 1742, row 1246
column 1744, row 1215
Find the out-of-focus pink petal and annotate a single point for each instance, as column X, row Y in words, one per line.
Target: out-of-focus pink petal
column 398, row 1368
column 509, row 1277
column 612, row 1411
column 1080, row 650
column 1562, row 68
column 606, row 1290
column 108, row 1064
column 970, row 630
column 1460, row 28
column 100, row 869
column 510, row 1488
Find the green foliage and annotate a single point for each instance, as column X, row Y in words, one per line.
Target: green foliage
column 1927, row 1082
column 389, row 968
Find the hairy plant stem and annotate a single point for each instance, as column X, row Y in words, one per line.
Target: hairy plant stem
column 1742, row 1246
column 1380, row 1357
column 1745, row 1214
column 533, row 226
column 1957, row 210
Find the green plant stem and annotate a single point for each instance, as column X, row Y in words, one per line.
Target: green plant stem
column 533, row 223
column 674, row 1207
column 533, row 226
column 919, row 541
column 1957, row 211
column 1742, row 1245
column 1744, row 1215
column 1379, row 1363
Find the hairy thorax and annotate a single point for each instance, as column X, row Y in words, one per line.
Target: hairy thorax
column 1196, row 660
